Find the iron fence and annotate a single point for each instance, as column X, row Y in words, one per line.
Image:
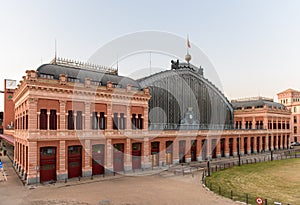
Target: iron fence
column 244, row 196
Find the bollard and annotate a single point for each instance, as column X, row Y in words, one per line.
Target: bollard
column 219, row 190
column 266, row 201
column 246, row 198
column 231, row 194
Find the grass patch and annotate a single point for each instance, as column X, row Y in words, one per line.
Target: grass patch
column 274, row 180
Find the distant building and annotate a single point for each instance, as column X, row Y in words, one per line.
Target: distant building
column 264, row 114
column 291, row 99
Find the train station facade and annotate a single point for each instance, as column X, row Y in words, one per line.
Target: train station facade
column 74, row 120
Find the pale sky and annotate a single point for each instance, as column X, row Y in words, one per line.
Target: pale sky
column 254, row 45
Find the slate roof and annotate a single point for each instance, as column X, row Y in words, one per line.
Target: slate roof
column 81, row 74
column 256, row 103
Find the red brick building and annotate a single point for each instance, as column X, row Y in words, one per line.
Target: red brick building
column 262, row 114
column 73, row 119
column 291, row 99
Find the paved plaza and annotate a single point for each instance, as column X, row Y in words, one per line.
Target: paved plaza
column 161, row 188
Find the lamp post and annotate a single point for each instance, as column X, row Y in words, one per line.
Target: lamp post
column 208, row 152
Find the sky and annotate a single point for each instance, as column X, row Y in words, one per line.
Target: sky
column 253, row 45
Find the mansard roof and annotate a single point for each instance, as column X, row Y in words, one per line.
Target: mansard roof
column 257, row 102
column 81, row 73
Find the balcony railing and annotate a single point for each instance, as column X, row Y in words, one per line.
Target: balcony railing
column 173, row 126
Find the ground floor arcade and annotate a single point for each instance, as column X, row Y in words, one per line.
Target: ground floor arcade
column 51, row 160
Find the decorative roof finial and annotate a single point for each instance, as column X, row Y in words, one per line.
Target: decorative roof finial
column 188, row 57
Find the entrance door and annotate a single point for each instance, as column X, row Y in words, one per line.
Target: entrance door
column 119, row 157
column 245, row 145
column 194, row 150
column 230, row 146
column 252, row 145
column 98, row 159
column 47, row 164
column 155, row 153
column 204, row 149
column 222, row 147
column 74, row 161
column 182, row 151
column 257, row 144
column 213, row 148
column 169, row 152
column 136, row 155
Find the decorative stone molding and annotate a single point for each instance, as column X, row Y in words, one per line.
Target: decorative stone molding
column 128, row 88
column 147, row 91
column 31, row 75
column 62, row 79
column 109, row 85
column 87, row 82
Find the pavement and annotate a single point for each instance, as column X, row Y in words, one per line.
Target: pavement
column 140, row 188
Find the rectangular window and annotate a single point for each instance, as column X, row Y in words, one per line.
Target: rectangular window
column 115, row 121
column 295, row 119
column 122, row 121
column 295, row 130
column 79, row 120
column 53, row 120
column 70, row 120
column 26, row 122
column 43, row 119
column 94, row 121
column 102, row 124
column 140, row 122
column 133, row 121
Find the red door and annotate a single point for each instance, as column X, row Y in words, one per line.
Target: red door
column 182, row 151
column 245, row 145
column 98, row 159
column 119, row 157
column 194, row 150
column 222, row 147
column 47, row 164
column 136, row 155
column 74, row 161
column 213, row 148
column 231, row 147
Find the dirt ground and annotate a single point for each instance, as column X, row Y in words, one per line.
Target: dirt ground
column 164, row 188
